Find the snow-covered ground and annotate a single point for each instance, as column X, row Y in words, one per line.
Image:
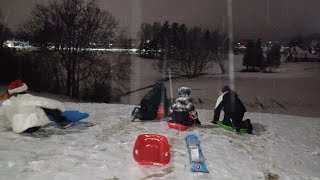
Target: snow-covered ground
column 282, row 147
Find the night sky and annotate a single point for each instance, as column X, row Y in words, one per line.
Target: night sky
column 268, row 19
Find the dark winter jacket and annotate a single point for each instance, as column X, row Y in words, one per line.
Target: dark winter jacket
column 151, row 101
column 231, row 105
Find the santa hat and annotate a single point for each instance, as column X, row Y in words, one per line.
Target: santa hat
column 17, row 86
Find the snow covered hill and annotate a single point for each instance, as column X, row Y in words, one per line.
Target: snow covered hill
column 282, row 147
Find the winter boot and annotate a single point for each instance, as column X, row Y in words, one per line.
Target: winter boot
column 136, row 113
column 197, row 122
column 249, row 126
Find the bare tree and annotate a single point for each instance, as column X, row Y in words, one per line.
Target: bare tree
column 108, row 78
column 146, row 35
column 123, row 40
column 192, row 60
column 273, row 57
column 196, row 50
column 184, row 51
column 219, row 46
column 69, row 27
column 253, row 56
column 5, row 32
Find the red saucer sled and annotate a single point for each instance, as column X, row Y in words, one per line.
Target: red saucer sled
column 181, row 127
column 151, row 149
column 177, row 126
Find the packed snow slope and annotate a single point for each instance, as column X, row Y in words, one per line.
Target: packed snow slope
column 100, row 147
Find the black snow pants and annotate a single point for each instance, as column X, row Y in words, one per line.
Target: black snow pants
column 235, row 120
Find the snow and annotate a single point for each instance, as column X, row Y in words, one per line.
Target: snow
column 283, row 146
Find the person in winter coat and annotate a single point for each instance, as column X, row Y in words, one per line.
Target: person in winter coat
column 150, row 102
column 182, row 111
column 23, row 112
column 234, row 110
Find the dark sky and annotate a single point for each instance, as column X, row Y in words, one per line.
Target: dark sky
column 251, row 18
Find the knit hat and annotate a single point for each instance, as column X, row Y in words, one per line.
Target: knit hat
column 17, row 86
column 184, row 92
column 225, row 89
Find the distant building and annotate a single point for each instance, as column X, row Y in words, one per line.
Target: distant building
column 15, row 44
column 298, row 54
column 18, row 45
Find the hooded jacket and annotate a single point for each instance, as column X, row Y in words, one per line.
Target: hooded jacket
column 230, row 103
column 151, row 101
column 24, row 111
column 183, row 104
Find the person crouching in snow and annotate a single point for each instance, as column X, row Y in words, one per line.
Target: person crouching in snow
column 233, row 110
column 182, row 110
column 150, row 103
column 23, row 112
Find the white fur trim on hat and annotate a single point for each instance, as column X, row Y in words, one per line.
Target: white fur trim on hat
column 20, row 89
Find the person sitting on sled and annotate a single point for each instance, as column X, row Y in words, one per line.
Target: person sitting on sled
column 233, row 110
column 23, row 112
column 150, row 103
column 182, row 110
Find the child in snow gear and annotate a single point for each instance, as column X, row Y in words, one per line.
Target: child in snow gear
column 150, row 102
column 182, row 110
column 23, row 112
column 233, row 110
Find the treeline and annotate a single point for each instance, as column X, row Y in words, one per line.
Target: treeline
column 64, row 64
column 105, row 80
column 186, row 50
column 255, row 57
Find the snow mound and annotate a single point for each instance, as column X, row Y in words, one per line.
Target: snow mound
column 100, row 147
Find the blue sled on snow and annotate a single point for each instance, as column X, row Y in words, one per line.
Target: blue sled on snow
column 74, row 116
column 196, row 158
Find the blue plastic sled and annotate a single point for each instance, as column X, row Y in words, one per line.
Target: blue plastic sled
column 196, row 158
column 74, row 116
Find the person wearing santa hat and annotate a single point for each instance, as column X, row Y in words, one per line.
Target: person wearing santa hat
column 23, row 112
